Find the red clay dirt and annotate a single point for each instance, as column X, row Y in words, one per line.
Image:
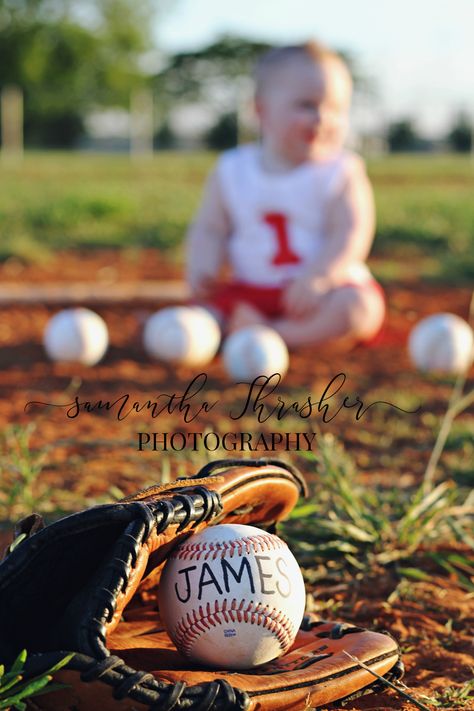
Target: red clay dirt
column 90, row 456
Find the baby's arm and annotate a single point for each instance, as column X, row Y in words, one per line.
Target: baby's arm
column 348, row 235
column 206, row 240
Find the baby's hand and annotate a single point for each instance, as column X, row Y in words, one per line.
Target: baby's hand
column 303, row 296
column 201, row 284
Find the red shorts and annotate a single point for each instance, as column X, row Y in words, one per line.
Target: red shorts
column 268, row 300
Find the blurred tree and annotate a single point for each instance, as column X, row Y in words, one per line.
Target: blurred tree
column 165, row 137
column 224, row 133
column 402, row 136
column 199, row 75
column 460, row 136
column 68, row 60
column 213, row 76
column 192, row 76
column 218, row 76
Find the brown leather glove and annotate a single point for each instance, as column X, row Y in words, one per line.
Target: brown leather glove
column 87, row 583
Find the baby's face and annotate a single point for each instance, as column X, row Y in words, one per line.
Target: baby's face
column 304, row 109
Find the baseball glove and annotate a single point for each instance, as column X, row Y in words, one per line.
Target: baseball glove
column 87, row 583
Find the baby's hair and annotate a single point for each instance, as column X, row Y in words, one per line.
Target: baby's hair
column 276, row 57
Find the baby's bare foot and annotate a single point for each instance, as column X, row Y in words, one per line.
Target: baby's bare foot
column 245, row 315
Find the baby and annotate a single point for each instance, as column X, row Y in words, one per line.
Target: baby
column 292, row 215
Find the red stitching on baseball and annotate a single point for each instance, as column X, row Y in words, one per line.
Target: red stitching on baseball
column 212, row 550
column 190, row 627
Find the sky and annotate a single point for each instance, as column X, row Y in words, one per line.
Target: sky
column 419, row 53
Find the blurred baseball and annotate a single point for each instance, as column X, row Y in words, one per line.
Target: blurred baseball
column 76, row 335
column 189, row 335
column 232, row 597
column 253, row 351
column 442, row 342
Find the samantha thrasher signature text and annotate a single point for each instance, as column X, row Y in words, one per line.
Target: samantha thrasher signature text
column 261, row 400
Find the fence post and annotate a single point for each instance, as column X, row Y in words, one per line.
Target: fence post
column 11, row 103
column 141, row 124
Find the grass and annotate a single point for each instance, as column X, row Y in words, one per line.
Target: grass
column 453, row 697
column 349, row 527
column 58, row 200
column 14, row 690
column 424, row 212
column 351, row 530
column 20, row 493
column 23, row 489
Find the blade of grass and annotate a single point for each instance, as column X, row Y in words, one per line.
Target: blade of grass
column 414, row 701
column 415, row 574
column 444, row 562
column 19, row 662
column 14, row 680
column 456, row 404
column 460, row 533
column 29, row 689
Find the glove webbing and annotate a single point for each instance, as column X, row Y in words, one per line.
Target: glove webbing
column 143, row 687
column 199, row 505
column 182, row 509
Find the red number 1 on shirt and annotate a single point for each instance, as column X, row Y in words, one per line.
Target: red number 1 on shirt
column 278, row 222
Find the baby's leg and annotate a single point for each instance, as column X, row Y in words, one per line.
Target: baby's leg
column 245, row 315
column 346, row 314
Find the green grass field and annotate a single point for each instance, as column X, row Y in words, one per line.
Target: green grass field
column 425, row 210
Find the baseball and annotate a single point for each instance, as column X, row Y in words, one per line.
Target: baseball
column 253, row 351
column 189, row 335
column 232, row 597
column 76, row 335
column 442, row 342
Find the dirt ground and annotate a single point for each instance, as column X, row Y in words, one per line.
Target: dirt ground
column 95, row 455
